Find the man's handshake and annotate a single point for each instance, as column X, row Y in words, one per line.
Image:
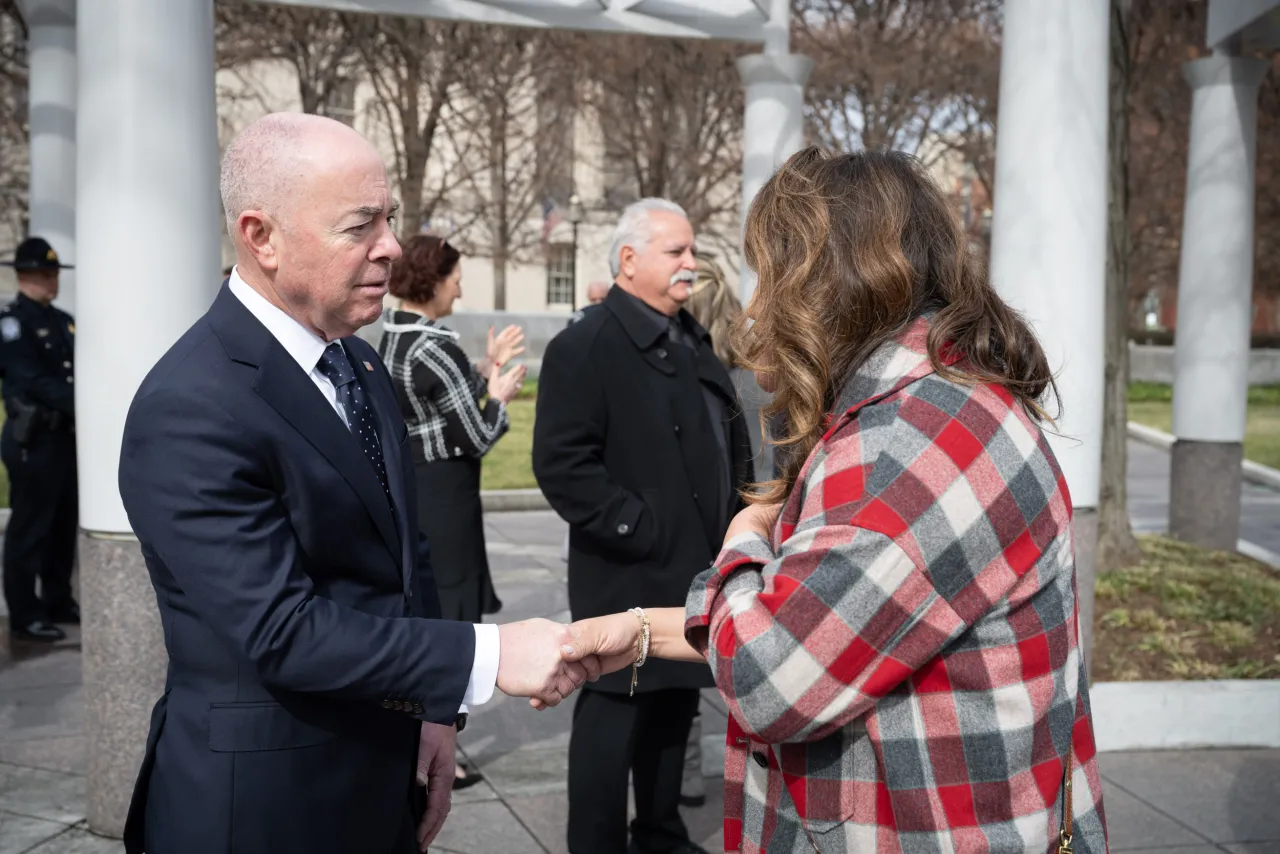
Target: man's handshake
column 532, row 662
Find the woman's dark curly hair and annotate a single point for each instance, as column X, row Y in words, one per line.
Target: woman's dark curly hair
column 428, row 260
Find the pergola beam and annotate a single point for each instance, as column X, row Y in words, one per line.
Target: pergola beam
column 670, row 18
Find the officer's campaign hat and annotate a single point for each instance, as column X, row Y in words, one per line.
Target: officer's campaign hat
column 35, row 253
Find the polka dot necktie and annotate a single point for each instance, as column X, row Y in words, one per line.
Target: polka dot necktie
column 361, row 419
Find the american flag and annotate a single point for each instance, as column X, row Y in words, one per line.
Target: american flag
column 551, row 217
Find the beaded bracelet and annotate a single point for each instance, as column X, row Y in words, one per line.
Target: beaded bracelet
column 642, row 648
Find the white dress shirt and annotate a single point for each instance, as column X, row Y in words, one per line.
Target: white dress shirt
column 306, row 348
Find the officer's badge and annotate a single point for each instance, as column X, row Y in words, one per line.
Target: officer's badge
column 71, row 327
column 10, row 328
column 51, row 255
column 42, row 333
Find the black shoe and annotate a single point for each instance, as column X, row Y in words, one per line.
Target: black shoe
column 688, row 847
column 466, row 782
column 41, row 631
column 67, row 614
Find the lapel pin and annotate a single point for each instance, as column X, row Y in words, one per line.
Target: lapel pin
column 368, row 367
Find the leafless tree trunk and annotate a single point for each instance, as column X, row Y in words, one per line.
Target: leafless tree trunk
column 498, row 189
column 670, row 113
column 1117, row 546
column 15, row 149
column 512, row 143
column 412, row 64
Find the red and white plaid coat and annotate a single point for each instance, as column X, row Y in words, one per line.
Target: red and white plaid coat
column 900, row 659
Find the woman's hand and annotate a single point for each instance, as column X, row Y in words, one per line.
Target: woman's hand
column 614, row 640
column 754, row 518
column 504, row 347
column 505, row 387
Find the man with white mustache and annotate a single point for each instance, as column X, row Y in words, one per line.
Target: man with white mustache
column 640, row 445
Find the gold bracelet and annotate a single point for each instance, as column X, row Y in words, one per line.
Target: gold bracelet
column 642, row 648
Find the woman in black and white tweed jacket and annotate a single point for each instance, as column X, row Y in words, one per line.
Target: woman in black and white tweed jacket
column 454, row 411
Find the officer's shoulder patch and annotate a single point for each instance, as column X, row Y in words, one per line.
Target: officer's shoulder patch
column 10, row 328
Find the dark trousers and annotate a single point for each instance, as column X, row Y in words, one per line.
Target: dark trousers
column 40, row 539
column 614, row 734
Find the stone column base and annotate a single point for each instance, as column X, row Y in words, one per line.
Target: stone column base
column 124, row 671
column 1204, row 493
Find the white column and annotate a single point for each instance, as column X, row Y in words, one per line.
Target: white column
column 1049, row 230
column 773, row 124
column 148, row 217
column 1215, row 287
column 148, row 214
column 51, row 51
column 1049, row 227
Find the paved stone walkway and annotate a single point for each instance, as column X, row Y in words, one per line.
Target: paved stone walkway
column 1148, row 484
column 1191, row 802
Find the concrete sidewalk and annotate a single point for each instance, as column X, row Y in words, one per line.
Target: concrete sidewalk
column 1148, row 482
column 1190, row 802
column 1185, row 801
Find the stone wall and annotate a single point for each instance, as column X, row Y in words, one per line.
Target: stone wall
column 1147, row 363
column 473, row 329
column 1154, row 364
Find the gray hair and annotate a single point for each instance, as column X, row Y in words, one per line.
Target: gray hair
column 260, row 162
column 635, row 228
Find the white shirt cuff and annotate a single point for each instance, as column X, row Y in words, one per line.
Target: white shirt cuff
column 484, row 670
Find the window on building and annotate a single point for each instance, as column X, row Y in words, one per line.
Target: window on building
column 619, row 180
column 340, row 103
column 555, row 149
column 560, row 274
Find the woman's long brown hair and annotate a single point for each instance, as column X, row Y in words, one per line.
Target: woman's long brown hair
column 716, row 308
column 849, row 250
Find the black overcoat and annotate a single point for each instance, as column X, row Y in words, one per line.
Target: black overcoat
column 623, row 451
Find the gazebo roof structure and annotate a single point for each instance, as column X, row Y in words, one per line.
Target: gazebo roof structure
column 740, row 20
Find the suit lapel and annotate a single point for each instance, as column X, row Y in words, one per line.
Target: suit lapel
column 289, row 391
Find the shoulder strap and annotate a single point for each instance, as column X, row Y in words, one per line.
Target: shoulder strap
column 1064, row 833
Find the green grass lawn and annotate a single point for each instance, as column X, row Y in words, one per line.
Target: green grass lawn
column 1187, row 613
column 1152, row 405
column 510, row 464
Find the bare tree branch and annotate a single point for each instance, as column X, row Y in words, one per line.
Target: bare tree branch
column 320, row 45
column 513, row 142
column 412, row 64
column 14, row 141
column 670, row 113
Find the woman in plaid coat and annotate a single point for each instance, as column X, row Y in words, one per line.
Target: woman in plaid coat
column 892, row 622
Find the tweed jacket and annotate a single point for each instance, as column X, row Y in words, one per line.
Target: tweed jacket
column 439, row 390
column 900, row 658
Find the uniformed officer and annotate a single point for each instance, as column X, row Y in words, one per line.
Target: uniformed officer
column 38, row 447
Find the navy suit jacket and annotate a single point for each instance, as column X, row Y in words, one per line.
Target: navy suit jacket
column 296, row 601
